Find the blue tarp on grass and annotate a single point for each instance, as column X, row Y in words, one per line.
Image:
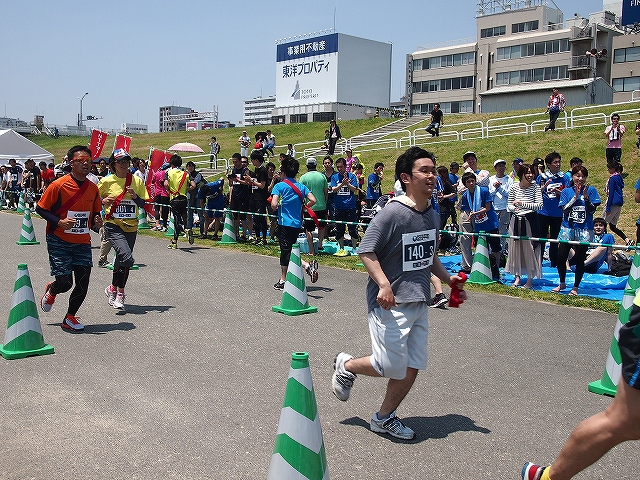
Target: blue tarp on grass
column 595, row 285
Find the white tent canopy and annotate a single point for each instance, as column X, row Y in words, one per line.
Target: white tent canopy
column 14, row 145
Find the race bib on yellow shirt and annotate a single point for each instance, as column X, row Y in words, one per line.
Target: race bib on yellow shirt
column 82, row 222
column 126, row 209
column 418, row 249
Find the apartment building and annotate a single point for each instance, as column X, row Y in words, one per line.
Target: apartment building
column 258, row 111
column 520, row 46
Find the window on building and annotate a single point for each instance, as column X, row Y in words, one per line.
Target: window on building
column 298, row 118
column 631, row 54
column 417, row 64
column 524, row 26
column 493, row 31
column 628, row 84
column 324, row 116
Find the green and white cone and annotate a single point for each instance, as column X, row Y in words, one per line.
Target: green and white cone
column 110, row 266
column 27, row 234
column 299, row 452
column 481, row 268
column 23, row 337
column 170, row 228
column 613, row 366
column 228, row 230
column 21, row 204
column 294, row 297
column 142, row 219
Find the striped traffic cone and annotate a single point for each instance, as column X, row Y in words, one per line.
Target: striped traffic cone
column 21, row 204
column 481, row 268
column 132, row 267
column 228, row 231
column 27, row 234
column 142, row 220
column 23, row 337
column 299, row 449
column 613, row 366
column 294, row 296
column 170, row 228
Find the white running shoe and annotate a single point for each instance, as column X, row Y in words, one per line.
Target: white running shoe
column 118, row 302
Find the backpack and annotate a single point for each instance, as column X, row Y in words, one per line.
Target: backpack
column 620, row 265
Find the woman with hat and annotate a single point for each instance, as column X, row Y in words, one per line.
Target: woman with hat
column 122, row 194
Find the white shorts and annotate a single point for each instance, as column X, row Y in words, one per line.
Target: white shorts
column 399, row 339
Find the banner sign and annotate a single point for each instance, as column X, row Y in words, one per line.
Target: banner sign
column 97, row 142
column 630, row 12
column 122, row 141
column 307, row 71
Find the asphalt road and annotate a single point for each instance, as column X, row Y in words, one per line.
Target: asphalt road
column 189, row 382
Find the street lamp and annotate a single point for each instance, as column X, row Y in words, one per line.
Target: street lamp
column 595, row 55
column 80, row 123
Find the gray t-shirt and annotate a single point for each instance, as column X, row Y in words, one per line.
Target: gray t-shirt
column 405, row 242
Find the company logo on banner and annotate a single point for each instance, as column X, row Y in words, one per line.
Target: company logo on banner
column 123, row 142
column 630, row 12
column 307, row 71
column 98, row 139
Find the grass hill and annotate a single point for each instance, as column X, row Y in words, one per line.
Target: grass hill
column 587, row 143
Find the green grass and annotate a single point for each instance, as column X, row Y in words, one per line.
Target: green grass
column 587, row 143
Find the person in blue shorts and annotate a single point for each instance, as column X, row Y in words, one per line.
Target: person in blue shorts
column 211, row 199
column 620, row 422
column 478, row 204
column 578, row 202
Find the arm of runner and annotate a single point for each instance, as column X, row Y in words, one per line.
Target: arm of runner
column 443, row 274
column 385, row 298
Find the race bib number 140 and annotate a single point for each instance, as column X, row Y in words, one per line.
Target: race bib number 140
column 418, row 249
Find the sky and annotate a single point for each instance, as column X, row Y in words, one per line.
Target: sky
column 132, row 57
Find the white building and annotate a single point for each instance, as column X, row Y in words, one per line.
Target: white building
column 258, row 111
column 132, row 128
column 327, row 76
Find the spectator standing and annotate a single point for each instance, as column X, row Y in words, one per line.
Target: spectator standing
column 14, row 185
column 47, row 176
column 446, row 207
column 374, row 184
column 454, row 168
column 482, row 179
column 288, row 198
column 328, row 172
column 68, row 238
column 435, row 121
column 398, row 252
column 273, row 214
column 5, row 179
column 196, row 181
column 574, row 162
column 270, row 144
column 499, row 185
column 578, row 202
column 245, row 143
column 350, row 160
column 555, row 105
column 525, row 199
column 478, row 206
column 614, row 133
column 344, row 185
column 515, row 166
column 239, row 194
column 334, row 136
column 551, row 182
column 122, row 194
column 258, row 199
column 214, row 150
column 317, row 183
column 615, row 200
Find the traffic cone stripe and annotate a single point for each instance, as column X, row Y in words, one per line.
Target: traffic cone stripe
column 294, row 296
column 300, row 429
column 481, row 269
column 228, row 230
column 27, row 233
column 296, row 400
column 304, row 463
column 285, row 471
column 27, row 324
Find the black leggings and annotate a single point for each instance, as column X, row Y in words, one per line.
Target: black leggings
column 63, row 283
column 580, row 256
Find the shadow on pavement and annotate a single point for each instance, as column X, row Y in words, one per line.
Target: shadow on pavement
column 428, row 427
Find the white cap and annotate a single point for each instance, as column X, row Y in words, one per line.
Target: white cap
column 499, row 161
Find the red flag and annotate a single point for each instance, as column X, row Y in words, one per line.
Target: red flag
column 122, row 141
column 98, row 140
